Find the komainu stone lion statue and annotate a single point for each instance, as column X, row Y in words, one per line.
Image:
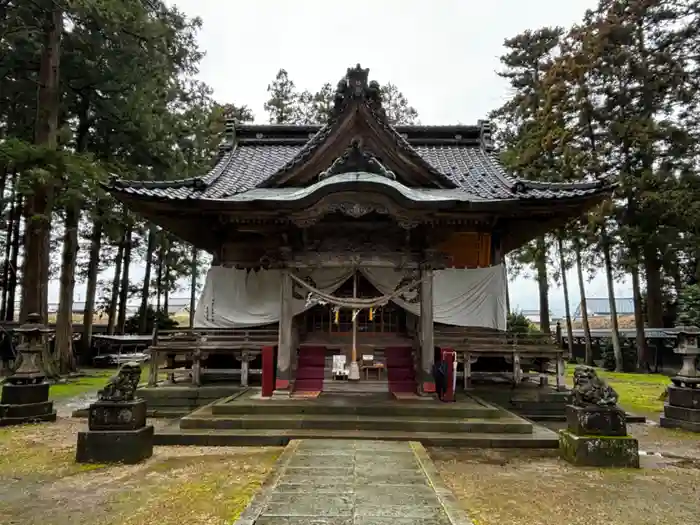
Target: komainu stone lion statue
column 591, row 390
column 122, row 387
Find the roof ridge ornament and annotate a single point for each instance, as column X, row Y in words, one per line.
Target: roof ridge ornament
column 486, row 135
column 355, row 159
column 355, row 86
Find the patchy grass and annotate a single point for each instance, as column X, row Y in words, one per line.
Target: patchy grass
column 25, row 452
column 639, row 393
column 206, row 489
column 92, row 381
column 513, row 487
column 40, row 484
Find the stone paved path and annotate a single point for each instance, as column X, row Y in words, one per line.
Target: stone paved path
column 338, row 482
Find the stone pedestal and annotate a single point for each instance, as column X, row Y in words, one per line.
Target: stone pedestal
column 599, row 451
column 354, row 372
column 25, row 394
column 596, row 421
column 682, row 408
column 596, row 433
column 115, row 446
column 117, row 430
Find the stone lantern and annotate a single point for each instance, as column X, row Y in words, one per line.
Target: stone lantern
column 682, row 409
column 25, row 394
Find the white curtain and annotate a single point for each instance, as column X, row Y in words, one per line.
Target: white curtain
column 461, row 297
column 235, row 298
column 238, row 298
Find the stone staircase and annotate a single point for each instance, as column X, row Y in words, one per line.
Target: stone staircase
column 247, row 420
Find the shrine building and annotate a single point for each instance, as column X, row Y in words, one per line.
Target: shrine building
column 359, row 245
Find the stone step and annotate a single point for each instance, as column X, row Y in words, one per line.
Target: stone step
column 204, row 419
column 540, row 438
column 331, row 386
column 420, row 409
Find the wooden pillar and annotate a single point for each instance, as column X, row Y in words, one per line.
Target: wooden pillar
column 427, row 340
column 285, row 341
column 268, row 372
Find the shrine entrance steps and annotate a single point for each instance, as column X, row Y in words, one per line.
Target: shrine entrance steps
column 249, row 420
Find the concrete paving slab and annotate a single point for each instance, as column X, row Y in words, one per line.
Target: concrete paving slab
column 346, row 482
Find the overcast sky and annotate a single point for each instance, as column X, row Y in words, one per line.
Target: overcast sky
column 443, row 55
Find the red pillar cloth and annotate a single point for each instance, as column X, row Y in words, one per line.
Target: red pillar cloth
column 449, row 356
column 268, row 371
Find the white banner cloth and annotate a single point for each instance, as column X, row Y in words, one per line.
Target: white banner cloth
column 461, row 297
column 235, row 298
column 239, row 298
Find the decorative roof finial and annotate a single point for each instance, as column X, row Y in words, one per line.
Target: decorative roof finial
column 357, row 79
column 356, row 87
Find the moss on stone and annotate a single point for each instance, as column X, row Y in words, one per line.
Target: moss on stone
column 599, row 451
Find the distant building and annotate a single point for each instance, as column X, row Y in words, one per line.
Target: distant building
column 534, row 317
column 600, row 307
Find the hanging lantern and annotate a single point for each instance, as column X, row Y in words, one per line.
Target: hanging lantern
column 336, row 318
column 371, row 314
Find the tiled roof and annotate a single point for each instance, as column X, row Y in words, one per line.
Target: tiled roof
column 457, row 153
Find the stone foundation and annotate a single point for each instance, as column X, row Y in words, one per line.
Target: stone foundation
column 115, row 446
column 117, row 433
column 599, row 451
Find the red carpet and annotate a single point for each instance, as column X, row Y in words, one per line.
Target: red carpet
column 399, row 369
column 309, row 376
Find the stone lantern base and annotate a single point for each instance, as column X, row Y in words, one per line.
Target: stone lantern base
column 682, row 409
column 25, row 402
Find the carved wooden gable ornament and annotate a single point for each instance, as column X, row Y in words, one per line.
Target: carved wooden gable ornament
column 358, row 137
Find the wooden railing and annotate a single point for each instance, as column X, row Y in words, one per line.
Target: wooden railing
column 522, row 351
column 185, row 351
column 526, row 353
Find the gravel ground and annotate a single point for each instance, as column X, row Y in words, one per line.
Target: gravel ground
column 40, row 483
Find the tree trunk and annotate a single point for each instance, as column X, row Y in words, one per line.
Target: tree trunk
column 505, row 269
column 584, row 306
column 13, row 216
column 8, row 232
column 655, row 301
column 37, row 211
column 64, row 319
column 542, row 284
column 617, row 348
column 112, row 314
column 145, row 289
column 159, row 272
column 14, row 257
column 166, row 291
column 93, row 270
column 642, row 347
column 565, row 286
column 166, row 276
column 124, row 290
column 193, row 286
